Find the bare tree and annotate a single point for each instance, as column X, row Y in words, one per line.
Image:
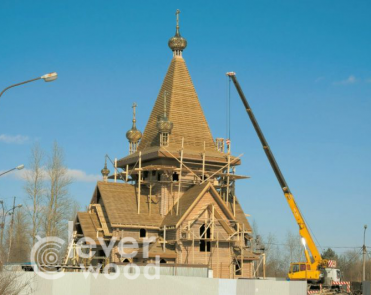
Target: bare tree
column 20, row 250
column 274, row 261
column 58, row 205
column 2, row 233
column 279, row 255
column 293, row 250
column 35, row 190
column 14, row 283
column 350, row 264
column 255, row 228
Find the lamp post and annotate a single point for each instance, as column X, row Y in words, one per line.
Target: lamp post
column 2, row 224
column 11, row 225
column 364, row 254
column 47, row 78
column 4, row 214
column 20, row 167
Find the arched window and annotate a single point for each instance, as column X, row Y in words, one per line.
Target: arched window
column 126, row 261
column 205, row 234
column 164, row 139
column 142, row 233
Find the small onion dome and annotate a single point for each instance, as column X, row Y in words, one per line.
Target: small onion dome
column 164, row 125
column 133, row 135
column 177, row 43
column 105, row 171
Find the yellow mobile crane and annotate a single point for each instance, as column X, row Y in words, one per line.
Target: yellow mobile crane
column 316, row 270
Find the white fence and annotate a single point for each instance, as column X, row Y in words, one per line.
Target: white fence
column 98, row 284
column 366, row 286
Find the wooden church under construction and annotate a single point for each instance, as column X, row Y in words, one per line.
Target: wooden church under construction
column 177, row 185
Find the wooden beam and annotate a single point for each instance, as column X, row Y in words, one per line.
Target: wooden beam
column 164, row 245
column 139, row 180
column 193, row 247
column 228, row 171
column 203, row 162
column 217, row 254
column 115, row 169
column 180, row 176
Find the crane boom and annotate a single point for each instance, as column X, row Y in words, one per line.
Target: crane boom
column 303, row 229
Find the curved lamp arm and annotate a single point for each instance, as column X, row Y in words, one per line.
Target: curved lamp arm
column 47, row 78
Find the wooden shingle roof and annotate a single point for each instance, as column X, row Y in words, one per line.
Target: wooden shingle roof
column 241, row 217
column 192, row 196
column 120, row 203
column 183, row 109
column 88, row 224
column 185, row 202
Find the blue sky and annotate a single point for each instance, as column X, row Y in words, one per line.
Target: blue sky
column 305, row 67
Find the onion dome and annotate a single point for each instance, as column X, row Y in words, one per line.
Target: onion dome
column 134, row 135
column 105, row 171
column 164, row 125
column 177, row 43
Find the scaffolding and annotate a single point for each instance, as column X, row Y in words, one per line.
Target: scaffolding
column 235, row 235
column 222, row 176
column 174, row 178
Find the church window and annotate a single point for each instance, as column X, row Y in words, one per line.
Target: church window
column 237, row 268
column 205, row 234
column 164, row 139
column 142, row 233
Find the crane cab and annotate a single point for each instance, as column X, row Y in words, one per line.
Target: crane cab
column 303, row 271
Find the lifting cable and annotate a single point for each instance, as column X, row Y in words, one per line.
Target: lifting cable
column 306, row 222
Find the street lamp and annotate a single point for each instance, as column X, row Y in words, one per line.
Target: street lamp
column 47, row 78
column 364, row 254
column 11, row 225
column 20, row 167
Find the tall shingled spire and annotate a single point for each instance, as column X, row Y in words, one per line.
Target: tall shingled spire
column 183, row 108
